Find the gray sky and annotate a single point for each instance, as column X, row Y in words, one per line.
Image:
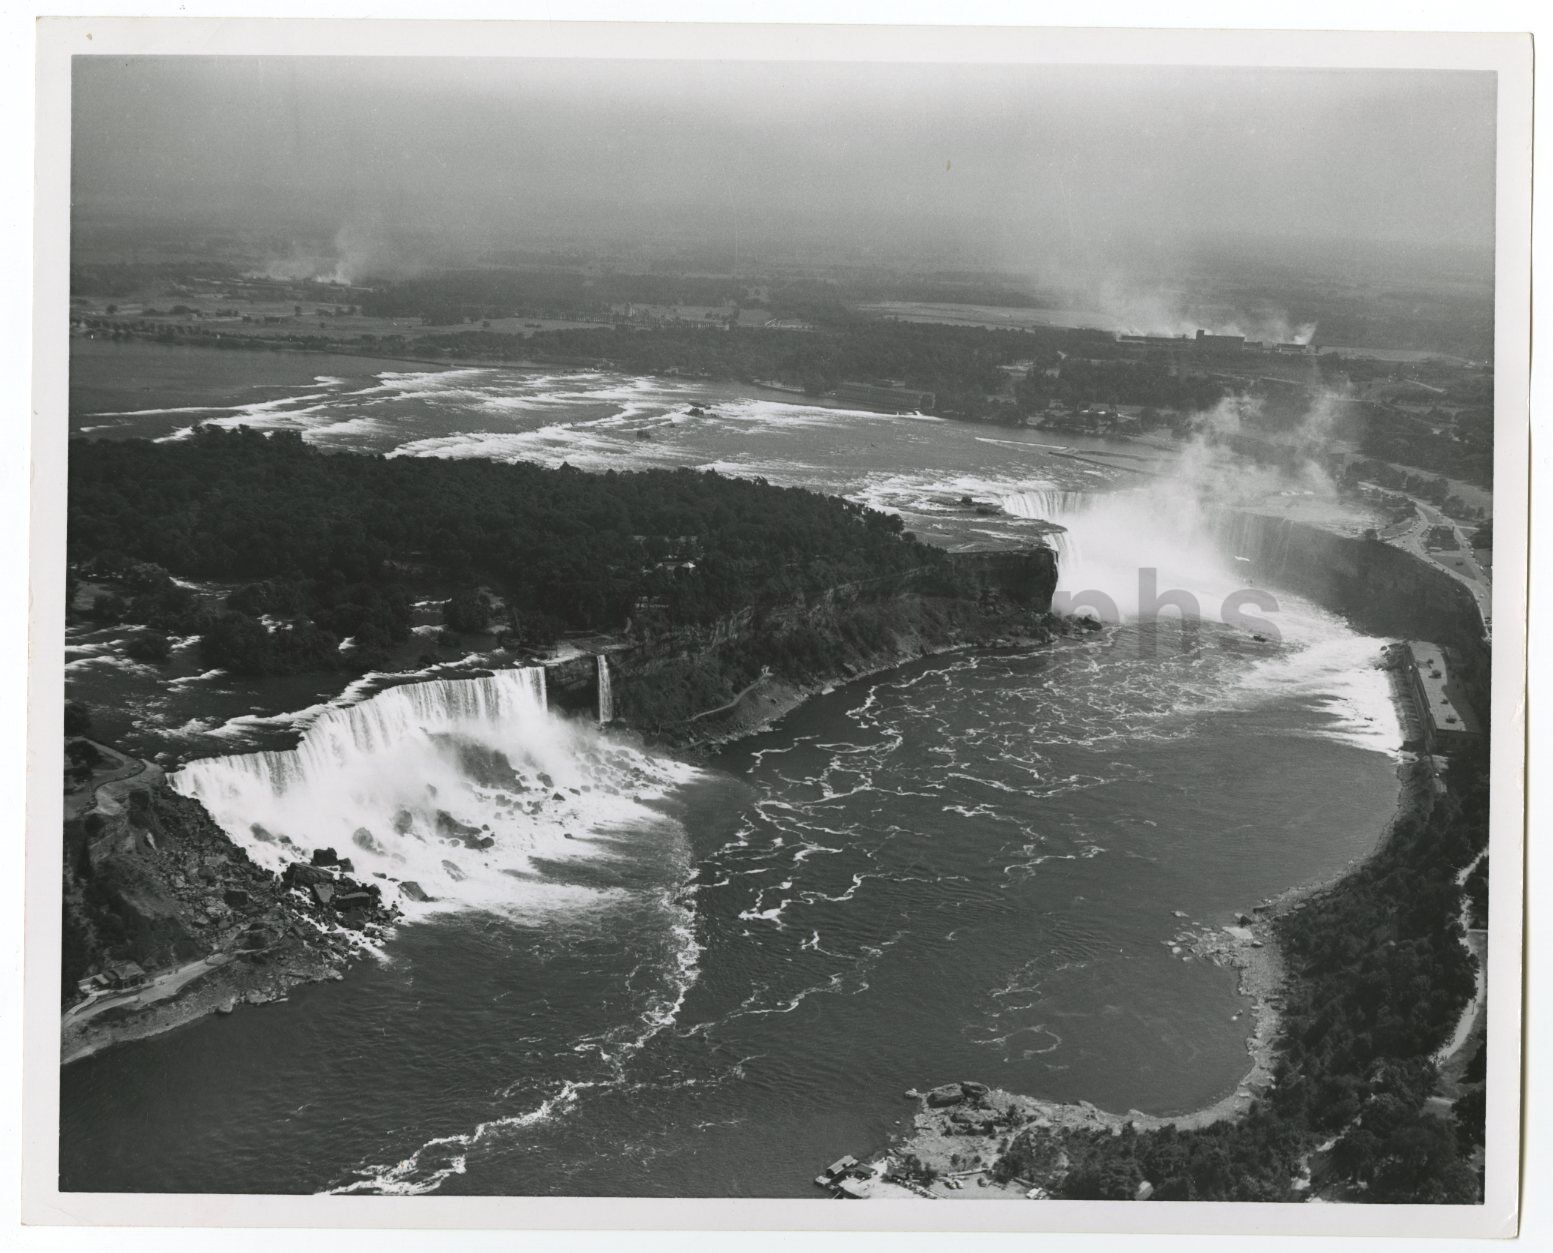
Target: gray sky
column 1015, row 165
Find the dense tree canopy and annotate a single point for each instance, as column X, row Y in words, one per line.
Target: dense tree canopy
column 331, row 543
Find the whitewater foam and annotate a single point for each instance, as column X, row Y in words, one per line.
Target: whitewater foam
column 469, row 788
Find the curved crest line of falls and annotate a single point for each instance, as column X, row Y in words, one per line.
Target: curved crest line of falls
column 471, row 789
column 1044, row 502
column 1128, row 547
column 1166, row 556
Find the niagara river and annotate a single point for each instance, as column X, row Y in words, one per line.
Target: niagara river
column 622, row 972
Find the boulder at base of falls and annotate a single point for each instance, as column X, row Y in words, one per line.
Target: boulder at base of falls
column 454, row 872
column 414, row 891
column 362, row 838
column 403, row 821
column 258, row 936
column 299, row 875
column 325, row 857
column 448, row 825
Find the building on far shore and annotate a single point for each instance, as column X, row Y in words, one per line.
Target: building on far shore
column 1204, row 344
column 886, row 397
column 1092, row 420
column 1171, row 346
column 1445, row 721
column 1207, row 342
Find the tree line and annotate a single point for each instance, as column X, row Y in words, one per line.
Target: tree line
column 330, row 546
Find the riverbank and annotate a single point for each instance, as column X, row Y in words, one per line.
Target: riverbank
column 225, row 982
column 698, row 689
column 771, row 698
column 167, row 920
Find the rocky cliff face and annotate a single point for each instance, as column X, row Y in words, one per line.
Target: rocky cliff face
column 726, row 679
column 1381, row 589
column 151, row 879
column 1026, row 576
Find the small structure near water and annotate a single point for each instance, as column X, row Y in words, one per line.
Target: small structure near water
column 846, row 1178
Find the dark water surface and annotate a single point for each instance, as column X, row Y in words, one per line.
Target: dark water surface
column 965, row 869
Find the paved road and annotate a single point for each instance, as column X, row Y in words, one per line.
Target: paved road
column 1475, row 941
column 101, row 795
column 159, row 988
column 765, row 673
column 1461, row 565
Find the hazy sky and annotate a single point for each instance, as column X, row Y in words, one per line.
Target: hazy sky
column 1016, row 164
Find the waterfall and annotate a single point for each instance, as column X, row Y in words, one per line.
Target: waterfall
column 1188, row 543
column 456, row 786
column 1114, row 547
column 1045, row 503
column 606, row 695
column 344, row 735
column 1064, row 544
column 1056, row 506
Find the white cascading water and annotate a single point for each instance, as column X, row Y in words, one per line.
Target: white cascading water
column 1114, row 540
column 464, row 787
column 1044, row 502
column 1114, row 543
column 606, row 694
column 1050, row 505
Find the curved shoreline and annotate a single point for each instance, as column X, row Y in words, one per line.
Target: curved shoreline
column 1249, row 946
column 769, row 699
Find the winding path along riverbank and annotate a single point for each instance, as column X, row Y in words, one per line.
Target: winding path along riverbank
column 160, row 987
column 1456, row 1054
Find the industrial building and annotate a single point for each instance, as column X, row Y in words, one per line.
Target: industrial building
column 1154, row 345
column 1444, row 721
column 1207, row 342
column 1092, row 420
column 1204, row 344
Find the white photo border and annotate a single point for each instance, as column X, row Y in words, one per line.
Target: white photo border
column 59, row 39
